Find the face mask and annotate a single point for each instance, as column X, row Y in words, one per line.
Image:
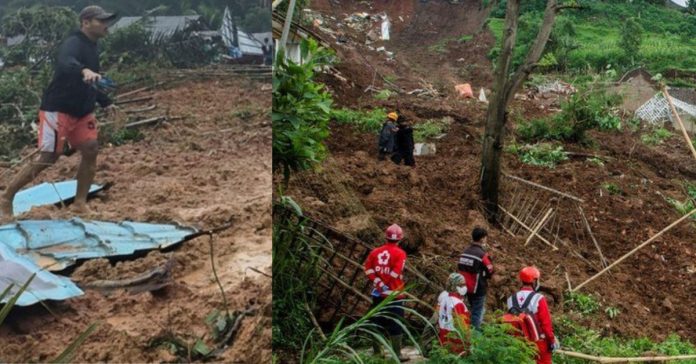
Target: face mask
column 462, row 290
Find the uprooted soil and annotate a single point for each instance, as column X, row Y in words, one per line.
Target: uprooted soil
column 203, row 171
column 438, row 201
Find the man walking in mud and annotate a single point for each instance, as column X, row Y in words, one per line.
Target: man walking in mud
column 67, row 109
column 476, row 266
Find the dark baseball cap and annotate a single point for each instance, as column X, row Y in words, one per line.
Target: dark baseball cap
column 96, row 12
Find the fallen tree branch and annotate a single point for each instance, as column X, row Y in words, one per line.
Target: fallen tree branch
column 147, row 98
column 148, row 281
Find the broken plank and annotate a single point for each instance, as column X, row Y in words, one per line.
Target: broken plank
column 146, row 108
column 527, row 227
column 603, row 261
column 643, row 244
column 566, row 195
column 145, row 121
column 141, row 99
column 539, row 226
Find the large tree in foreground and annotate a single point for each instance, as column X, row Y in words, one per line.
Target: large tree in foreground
column 505, row 84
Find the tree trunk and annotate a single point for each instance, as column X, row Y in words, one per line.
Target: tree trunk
column 504, row 89
column 495, row 117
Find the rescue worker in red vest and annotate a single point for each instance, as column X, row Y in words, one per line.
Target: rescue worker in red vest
column 539, row 309
column 476, row 266
column 453, row 315
column 384, row 268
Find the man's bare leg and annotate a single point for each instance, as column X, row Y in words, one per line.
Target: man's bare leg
column 85, row 174
column 25, row 175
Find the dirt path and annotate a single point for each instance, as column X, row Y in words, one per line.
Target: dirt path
column 181, row 173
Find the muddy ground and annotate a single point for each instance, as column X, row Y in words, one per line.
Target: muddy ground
column 205, row 170
column 438, row 202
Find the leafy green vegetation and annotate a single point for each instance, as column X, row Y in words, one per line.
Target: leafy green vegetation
column 540, row 154
column 612, row 188
column 656, row 137
column 430, row 128
column 301, row 111
column 365, row 120
column 383, row 95
column 631, row 37
column 583, row 303
column 582, row 111
column 578, row 338
column 612, row 312
column 668, row 39
column 494, row 344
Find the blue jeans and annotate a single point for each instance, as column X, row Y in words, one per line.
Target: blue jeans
column 478, row 307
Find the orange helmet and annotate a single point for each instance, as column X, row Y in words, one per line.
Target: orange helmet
column 393, row 115
column 529, row 274
column 394, row 233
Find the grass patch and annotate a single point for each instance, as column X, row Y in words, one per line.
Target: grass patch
column 656, row 137
column 430, row 129
column 589, row 341
column 584, row 304
column 540, row 154
column 366, row 120
column 383, row 95
column 669, row 38
column 583, row 111
column 441, row 45
column 612, row 188
column 465, row 38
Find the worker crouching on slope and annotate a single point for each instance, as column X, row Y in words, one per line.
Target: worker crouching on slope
column 453, row 315
column 527, row 301
column 384, row 267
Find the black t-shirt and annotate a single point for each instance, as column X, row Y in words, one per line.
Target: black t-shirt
column 67, row 92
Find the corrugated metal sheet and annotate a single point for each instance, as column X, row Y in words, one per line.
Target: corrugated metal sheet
column 48, row 194
column 55, row 245
column 158, row 25
column 16, row 270
column 38, row 246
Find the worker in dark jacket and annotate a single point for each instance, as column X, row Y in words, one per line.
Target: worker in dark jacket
column 67, row 109
column 404, row 144
column 387, row 136
column 476, row 266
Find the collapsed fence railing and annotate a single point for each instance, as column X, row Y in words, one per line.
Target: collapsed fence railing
column 337, row 257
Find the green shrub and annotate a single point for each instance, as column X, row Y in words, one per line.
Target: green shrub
column 583, row 303
column 430, row 129
column 494, row 344
column 631, row 37
column 581, row 339
column 301, row 111
column 383, row 95
column 612, row 188
column 656, row 137
column 540, row 154
column 365, row 120
column 583, row 111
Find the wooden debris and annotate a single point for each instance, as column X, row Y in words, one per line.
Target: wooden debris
column 528, row 228
column 681, row 123
column 148, row 281
column 539, row 226
column 603, row 260
column 544, row 187
column 141, row 99
column 635, row 250
column 136, row 111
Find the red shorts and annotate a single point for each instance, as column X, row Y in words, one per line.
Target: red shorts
column 56, row 127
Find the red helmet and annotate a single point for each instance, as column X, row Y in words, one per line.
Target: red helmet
column 394, row 233
column 529, row 274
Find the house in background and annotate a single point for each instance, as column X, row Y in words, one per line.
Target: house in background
column 160, row 26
